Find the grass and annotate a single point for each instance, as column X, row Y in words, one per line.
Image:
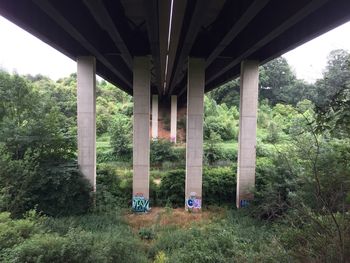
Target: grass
column 164, row 234
column 103, row 143
column 229, row 145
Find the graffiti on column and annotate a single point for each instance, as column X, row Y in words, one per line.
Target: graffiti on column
column 140, row 203
column 194, row 202
column 244, row 203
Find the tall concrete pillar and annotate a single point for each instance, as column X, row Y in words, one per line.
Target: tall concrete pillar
column 86, row 108
column 173, row 118
column 194, row 133
column 247, row 131
column 141, row 136
column 154, row 117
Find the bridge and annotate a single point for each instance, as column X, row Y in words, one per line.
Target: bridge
column 173, row 51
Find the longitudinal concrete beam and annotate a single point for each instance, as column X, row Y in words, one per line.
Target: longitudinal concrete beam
column 154, row 117
column 194, row 133
column 141, row 136
column 86, row 108
column 173, row 118
column 247, row 131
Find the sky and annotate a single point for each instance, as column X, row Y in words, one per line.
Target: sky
column 25, row 54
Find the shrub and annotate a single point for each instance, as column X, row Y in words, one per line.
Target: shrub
column 236, row 239
column 121, row 137
column 179, row 156
column 172, row 188
column 112, row 189
column 76, row 246
column 56, row 189
column 92, row 238
column 275, row 181
column 105, row 156
column 315, row 238
column 161, row 150
column 13, row 232
column 212, row 152
column 147, row 233
column 219, row 187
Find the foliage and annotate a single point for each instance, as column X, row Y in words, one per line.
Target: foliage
column 121, row 137
column 219, row 187
column 13, row 232
column 220, row 119
column 93, row 238
column 146, row 233
column 236, row 238
column 212, row 152
column 172, row 188
column 333, row 107
column 55, row 190
column 30, row 120
column 227, row 94
column 314, row 238
column 109, row 102
column 161, row 151
column 113, row 188
column 37, row 152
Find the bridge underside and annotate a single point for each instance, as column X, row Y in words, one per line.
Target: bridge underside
column 173, row 50
column 223, row 32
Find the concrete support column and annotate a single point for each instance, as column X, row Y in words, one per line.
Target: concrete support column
column 247, row 131
column 154, row 117
column 173, row 118
column 194, row 133
column 86, row 108
column 141, row 136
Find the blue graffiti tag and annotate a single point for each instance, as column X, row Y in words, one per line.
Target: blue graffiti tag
column 140, row 204
column 194, row 202
column 244, row 203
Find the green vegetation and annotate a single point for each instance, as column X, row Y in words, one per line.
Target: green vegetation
column 302, row 196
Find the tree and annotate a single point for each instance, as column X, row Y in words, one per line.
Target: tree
column 276, row 79
column 333, row 101
column 121, row 136
column 37, row 152
column 227, row 93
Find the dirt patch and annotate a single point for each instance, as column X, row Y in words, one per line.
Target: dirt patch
column 179, row 217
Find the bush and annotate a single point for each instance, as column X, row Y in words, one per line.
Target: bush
column 13, row 232
column 89, row 238
column 315, row 238
column 275, row 182
column 172, row 188
column 121, row 137
column 219, row 187
column 105, row 156
column 236, row 239
column 112, row 189
column 161, row 151
column 212, row 152
column 54, row 189
column 94, row 238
